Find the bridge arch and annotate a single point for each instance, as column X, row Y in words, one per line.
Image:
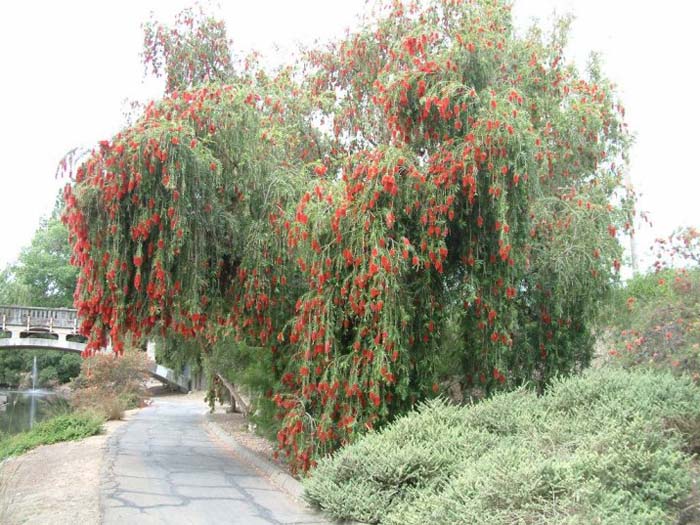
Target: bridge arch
column 32, row 328
column 40, row 343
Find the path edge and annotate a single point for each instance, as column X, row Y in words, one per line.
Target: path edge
column 280, row 478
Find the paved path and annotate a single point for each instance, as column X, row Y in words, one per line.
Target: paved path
column 164, row 467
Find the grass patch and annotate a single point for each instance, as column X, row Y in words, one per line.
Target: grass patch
column 65, row 427
column 604, row 447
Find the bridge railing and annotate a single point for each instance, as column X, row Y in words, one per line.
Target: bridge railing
column 33, row 317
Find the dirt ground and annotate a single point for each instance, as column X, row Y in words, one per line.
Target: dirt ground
column 57, row 483
column 60, row 483
column 235, row 425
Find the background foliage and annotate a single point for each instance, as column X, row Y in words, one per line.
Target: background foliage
column 53, row 366
column 42, row 275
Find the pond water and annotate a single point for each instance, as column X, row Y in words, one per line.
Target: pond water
column 20, row 410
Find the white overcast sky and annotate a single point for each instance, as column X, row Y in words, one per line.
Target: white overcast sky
column 69, row 66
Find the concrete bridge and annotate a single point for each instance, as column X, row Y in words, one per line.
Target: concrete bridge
column 32, row 328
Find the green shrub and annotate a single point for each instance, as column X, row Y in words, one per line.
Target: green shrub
column 605, row 447
column 53, row 365
column 48, row 375
column 65, row 427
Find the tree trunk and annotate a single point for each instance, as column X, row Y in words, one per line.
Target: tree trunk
column 236, row 399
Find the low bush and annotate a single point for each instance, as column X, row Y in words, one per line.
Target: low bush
column 109, row 384
column 604, row 447
column 100, row 401
column 65, row 427
column 654, row 322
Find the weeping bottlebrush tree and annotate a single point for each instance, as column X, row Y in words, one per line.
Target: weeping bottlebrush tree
column 434, row 172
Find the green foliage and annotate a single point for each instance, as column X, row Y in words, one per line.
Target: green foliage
column 654, row 322
column 48, row 375
column 248, row 369
column 65, row 427
column 177, row 352
column 599, row 448
column 43, row 275
column 53, row 365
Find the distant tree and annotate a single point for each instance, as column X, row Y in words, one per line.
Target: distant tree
column 43, row 275
column 681, row 248
column 194, row 50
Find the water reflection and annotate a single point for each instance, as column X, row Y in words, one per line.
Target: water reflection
column 21, row 409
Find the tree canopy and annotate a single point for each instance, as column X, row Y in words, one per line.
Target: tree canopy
column 42, row 275
column 435, row 176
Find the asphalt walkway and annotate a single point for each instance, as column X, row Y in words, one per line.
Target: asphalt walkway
column 165, row 467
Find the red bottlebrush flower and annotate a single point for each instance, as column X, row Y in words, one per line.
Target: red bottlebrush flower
column 175, row 141
column 373, row 269
column 386, row 264
column 390, row 219
column 320, row 170
column 479, row 221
